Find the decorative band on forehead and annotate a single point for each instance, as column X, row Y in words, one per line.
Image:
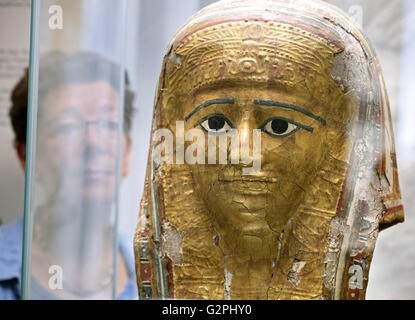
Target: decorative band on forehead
column 259, row 51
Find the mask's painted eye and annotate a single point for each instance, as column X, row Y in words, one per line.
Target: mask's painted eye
column 215, row 124
column 280, row 127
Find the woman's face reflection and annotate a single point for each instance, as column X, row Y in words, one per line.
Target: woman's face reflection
column 78, row 139
column 293, row 138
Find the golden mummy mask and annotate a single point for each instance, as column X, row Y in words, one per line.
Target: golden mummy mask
column 299, row 78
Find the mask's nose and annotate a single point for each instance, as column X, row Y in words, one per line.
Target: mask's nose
column 249, row 147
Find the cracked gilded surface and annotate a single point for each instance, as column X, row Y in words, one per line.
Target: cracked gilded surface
column 207, row 231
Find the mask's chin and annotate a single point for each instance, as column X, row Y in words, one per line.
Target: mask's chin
column 241, row 232
column 248, row 212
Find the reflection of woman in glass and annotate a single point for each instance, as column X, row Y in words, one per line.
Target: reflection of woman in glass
column 76, row 174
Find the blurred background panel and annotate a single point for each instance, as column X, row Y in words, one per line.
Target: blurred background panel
column 151, row 24
column 14, row 58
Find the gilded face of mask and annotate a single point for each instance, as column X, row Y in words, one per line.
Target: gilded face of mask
column 251, row 210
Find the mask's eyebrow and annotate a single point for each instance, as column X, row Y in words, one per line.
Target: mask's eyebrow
column 269, row 103
column 209, row 103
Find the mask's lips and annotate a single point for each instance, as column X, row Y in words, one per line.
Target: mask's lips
column 247, row 178
column 248, row 185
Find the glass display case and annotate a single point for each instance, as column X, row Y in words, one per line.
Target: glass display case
column 74, row 154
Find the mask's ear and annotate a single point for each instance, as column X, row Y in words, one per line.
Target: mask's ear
column 20, row 148
column 126, row 154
